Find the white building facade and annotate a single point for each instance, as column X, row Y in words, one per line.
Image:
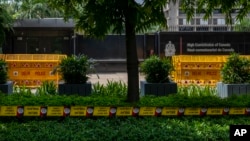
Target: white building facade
column 177, row 20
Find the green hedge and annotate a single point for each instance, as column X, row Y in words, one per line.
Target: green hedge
column 114, row 94
column 184, row 128
column 122, row 129
column 175, row 100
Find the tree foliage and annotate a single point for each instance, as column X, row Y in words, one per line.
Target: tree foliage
column 36, row 9
column 96, row 18
column 236, row 70
column 5, row 23
column 208, row 6
column 243, row 26
column 29, row 9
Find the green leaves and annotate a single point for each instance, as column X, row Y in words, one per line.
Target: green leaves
column 112, row 89
column 3, row 71
column 5, row 23
column 236, row 70
column 191, row 7
column 114, row 94
column 120, row 129
column 31, row 9
column 243, row 26
column 47, row 87
column 156, row 70
column 74, row 69
column 87, row 13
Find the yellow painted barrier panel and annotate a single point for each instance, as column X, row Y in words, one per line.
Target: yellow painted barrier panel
column 55, row 111
column 188, row 74
column 200, row 65
column 237, row 111
column 192, row 111
column 32, row 110
column 101, row 111
column 200, row 58
column 215, row 111
column 198, row 69
column 169, row 111
column 8, row 110
column 124, row 111
column 197, row 82
column 34, row 57
column 118, row 111
column 31, row 82
column 32, row 69
column 28, row 65
column 78, row 110
column 2, row 56
column 147, row 111
column 31, row 73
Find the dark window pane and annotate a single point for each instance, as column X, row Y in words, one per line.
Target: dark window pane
column 186, row 28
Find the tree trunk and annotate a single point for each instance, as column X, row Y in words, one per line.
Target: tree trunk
column 131, row 53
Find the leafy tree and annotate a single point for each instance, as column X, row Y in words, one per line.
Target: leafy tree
column 244, row 25
column 35, row 9
column 208, row 6
column 97, row 17
column 28, row 9
column 12, row 6
column 5, row 23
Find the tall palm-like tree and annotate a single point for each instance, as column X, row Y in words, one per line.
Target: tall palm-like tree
column 243, row 26
column 35, row 9
column 5, row 23
column 12, row 6
column 97, row 17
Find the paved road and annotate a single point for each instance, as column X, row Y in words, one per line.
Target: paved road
column 116, row 76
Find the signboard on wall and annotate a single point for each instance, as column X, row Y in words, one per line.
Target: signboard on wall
column 205, row 43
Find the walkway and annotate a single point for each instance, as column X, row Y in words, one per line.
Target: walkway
column 104, row 77
column 116, row 76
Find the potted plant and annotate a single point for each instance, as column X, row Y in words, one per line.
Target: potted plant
column 74, row 71
column 235, row 76
column 157, row 78
column 5, row 85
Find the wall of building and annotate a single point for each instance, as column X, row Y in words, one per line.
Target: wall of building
column 206, row 43
column 177, row 20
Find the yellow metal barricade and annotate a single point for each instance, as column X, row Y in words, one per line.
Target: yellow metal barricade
column 2, row 56
column 32, row 69
column 198, row 69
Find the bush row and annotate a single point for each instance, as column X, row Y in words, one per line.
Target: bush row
column 166, row 101
column 114, row 94
column 122, row 129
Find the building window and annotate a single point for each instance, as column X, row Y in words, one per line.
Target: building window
column 203, row 22
column 214, row 21
column 181, row 12
column 217, row 11
column 221, row 21
column 186, row 28
column 180, row 22
column 220, row 28
column 185, row 22
column 202, row 28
